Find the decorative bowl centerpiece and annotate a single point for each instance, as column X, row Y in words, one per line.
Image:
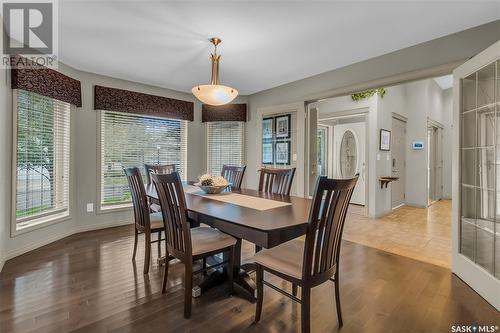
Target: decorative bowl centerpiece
column 212, row 184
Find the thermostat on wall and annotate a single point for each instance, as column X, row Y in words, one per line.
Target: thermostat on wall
column 417, row 145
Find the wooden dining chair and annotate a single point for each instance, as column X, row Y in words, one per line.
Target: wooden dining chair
column 156, row 168
column 146, row 223
column 233, row 174
column 185, row 243
column 315, row 260
column 277, row 181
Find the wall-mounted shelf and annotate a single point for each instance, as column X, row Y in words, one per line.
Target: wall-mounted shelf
column 384, row 181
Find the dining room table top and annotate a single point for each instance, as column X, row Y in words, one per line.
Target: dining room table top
column 284, row 217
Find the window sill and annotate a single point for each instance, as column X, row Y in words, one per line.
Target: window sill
column 39, row 223
column 114, row 208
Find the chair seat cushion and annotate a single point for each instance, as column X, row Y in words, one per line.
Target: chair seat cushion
column 285, row 258
column 155, row 208
column 156, row 220
column 205, row 240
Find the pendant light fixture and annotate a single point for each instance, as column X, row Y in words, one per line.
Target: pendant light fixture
column 214, row 93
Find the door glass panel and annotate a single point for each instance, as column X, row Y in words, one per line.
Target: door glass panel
column 469, row 130
column 486, row 122
column 322, row 155
column 486, row 168
column 486, row 86
column 469, row 203
column 484, row 249
column 348, row 155
column 468, row 238
column 485, row 205
column 469, row 166
column 469, row 93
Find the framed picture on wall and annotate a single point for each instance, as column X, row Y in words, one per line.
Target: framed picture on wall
column 283, row 127
column 267, row 153
column 385, row 140
column 283, row 152
column 267, row 128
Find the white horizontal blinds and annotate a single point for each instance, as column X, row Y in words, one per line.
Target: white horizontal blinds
column 224, row 145
column 42, row 157
column 130, row 140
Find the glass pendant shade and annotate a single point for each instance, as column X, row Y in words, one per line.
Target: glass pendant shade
column 214, row 94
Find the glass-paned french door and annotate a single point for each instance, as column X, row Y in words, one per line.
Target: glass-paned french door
column 476, row 198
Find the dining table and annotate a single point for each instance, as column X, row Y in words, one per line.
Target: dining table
column 262, row 218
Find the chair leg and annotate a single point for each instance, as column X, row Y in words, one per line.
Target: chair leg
column 337, row 299
column 188, row 286
column 159, row 244
column 147, row 252
column 305, row 309
column 294, row 289
column 204, row 266
column 260, row 292
column 230, row 270
column 136, row 234
column 165, row 275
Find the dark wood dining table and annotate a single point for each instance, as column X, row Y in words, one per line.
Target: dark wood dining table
column 265, row 228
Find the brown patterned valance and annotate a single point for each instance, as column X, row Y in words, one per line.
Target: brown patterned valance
column 227, row 112
column 39, row 79
column 112, row 99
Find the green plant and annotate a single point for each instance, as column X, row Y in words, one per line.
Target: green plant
column 368, row 93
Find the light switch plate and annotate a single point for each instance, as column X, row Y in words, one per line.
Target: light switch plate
column 378, row 157
column 294, row 157
column 90, row 207
column 388, row 157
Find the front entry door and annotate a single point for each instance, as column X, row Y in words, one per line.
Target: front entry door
column 349, row 156
column 398, row 162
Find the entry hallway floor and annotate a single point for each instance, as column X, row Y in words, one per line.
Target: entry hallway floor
column 88, row 283
column 419, row 233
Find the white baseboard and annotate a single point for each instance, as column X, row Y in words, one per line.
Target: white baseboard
column 56, row 237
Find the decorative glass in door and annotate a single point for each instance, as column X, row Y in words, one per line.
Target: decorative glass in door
column 322, row 155
column 480, row 172
column 348, row 155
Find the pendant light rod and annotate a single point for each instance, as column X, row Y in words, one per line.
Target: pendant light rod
column 215, row 61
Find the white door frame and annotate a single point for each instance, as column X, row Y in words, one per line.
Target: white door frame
column 364, row 111
column 478, row 278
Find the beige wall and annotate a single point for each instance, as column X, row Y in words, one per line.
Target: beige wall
column 84, row 162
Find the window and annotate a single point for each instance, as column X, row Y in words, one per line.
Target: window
column 322, row 150
column 224, row 145
column 42, row 154
column 129, row 140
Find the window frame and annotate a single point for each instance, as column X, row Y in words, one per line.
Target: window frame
column 243, row 144
column 120, row 207
column 44, row 219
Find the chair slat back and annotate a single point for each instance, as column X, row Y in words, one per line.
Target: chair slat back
column 233, row 174
column 157, row 168
column 326, row 222
column 139, row 199
column 277, row 181
column 173, row 208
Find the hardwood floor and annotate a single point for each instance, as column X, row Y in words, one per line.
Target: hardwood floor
column 87, row 283
column 419, row 233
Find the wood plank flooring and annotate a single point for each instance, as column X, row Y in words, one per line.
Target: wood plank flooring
column 87, row 283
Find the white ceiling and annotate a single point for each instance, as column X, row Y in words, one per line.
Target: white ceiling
column 445, row 82
column 265, row 44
